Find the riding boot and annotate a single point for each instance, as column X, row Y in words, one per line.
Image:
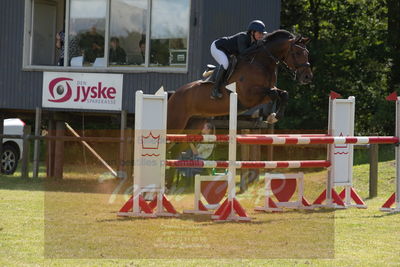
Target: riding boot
column 218, row 82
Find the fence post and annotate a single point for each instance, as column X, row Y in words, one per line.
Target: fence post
column 36, row 150
column 245, row 155
column 129, row 152
column 373, row 170
column 59, row 151
column 122, row 146
column 50, row 147
column 255, row 154
column 25, row 152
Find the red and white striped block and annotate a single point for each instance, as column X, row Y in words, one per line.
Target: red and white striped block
column 249, row 164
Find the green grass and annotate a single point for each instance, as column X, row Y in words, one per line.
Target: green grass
column 73, row 223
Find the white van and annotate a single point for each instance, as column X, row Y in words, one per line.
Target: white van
column 12, row 148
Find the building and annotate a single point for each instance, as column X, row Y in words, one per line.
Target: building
column 61, row 56
column 166, row 42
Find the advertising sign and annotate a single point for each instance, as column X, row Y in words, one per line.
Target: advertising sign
column 82, row 91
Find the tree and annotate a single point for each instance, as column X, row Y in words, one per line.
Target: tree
column 394, row 43
column 348, row 54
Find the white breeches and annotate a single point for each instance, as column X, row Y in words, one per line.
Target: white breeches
column 219, row 56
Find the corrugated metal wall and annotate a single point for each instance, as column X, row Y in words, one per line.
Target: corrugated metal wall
column 18, row 89
column 226, row 17
column 209, row 19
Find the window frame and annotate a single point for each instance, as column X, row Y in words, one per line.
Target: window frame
column 28, row 36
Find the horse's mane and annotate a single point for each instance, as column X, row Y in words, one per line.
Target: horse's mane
column 278, row 35
column 271, row 38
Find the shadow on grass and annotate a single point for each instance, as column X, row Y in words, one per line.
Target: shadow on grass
column 206, row 219
column 64, row 185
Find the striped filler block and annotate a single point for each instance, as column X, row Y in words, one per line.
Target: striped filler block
column 286, row 139
column 212, row 190
column 282, row 187
column 249, row 164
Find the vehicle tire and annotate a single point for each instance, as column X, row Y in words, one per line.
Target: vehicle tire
column 9, row 159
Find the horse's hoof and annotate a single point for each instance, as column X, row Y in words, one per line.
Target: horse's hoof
column 272, row 118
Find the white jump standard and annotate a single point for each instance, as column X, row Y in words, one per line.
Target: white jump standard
column 394, row 199
column 150, row 152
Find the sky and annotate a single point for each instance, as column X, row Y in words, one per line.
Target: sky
column 169, row 17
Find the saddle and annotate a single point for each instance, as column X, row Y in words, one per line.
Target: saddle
column 209, row 73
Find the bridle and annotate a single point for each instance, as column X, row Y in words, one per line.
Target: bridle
column 296, row 66
column 292, row 53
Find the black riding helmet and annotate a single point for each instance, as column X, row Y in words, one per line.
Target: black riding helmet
column 257, row 25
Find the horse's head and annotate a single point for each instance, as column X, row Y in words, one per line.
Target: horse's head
column 296, row 59
column 286, row 48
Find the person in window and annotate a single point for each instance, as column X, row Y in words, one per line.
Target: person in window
column 117, row 53
column 92, row 44
column 73, row 48
column 142, row 48
column 240, row 43
column 60, row 37
column 159, row 52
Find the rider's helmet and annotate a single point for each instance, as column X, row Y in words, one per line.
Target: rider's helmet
column 257, row 25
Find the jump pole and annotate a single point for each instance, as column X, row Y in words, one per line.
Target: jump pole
column 150, row 154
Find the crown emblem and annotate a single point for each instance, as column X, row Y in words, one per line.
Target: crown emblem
column 150, row 141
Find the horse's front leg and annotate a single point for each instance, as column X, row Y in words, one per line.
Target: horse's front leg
column 282, row 98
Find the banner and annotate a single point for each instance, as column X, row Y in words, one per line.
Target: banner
column 82, row 91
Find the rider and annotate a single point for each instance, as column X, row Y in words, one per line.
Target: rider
column 240, row 43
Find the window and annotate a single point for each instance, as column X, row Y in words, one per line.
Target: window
column 169, row 32
column 128, row 32
column 44, row 17
column 108, row 34
column 86, row 38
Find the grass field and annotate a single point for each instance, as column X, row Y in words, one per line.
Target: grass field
column 73, row 222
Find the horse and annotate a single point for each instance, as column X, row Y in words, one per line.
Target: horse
column 255, row 76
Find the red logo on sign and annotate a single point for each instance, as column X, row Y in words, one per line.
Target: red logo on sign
column 56, row 86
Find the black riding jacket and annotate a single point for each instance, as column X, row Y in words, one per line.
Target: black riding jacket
column 237, row 44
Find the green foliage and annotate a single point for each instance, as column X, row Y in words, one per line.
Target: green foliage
column 349, row 54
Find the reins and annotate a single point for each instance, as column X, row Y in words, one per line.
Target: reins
column 251, row 57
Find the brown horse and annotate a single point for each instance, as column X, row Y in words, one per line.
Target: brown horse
column 255, row 76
